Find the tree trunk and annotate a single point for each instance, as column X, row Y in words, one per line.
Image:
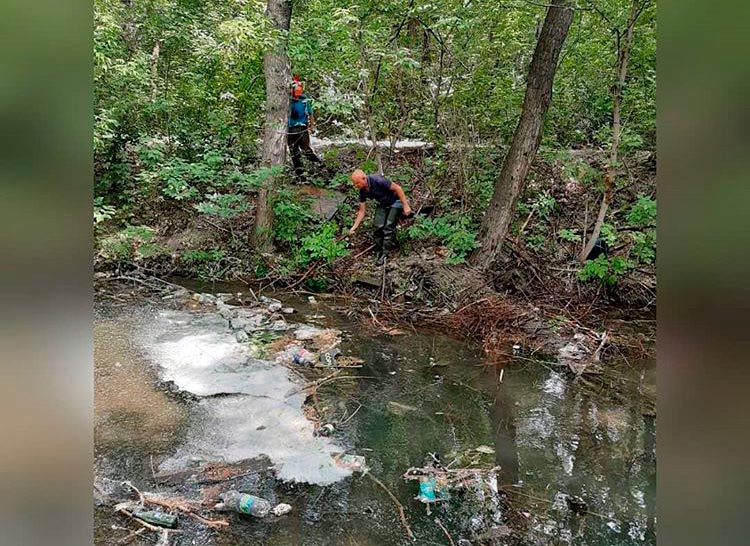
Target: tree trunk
column 528, row 132
column 155, row 69
column 278, row 76
column 623, row 54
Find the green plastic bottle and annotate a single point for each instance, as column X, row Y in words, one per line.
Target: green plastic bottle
column 154, row 517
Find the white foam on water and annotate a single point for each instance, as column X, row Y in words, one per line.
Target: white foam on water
column 263, row 416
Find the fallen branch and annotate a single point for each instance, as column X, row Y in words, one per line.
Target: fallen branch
column 131, row 537
column 398, row 504
column 134, row 488
column 183, row 506
column 365, row 251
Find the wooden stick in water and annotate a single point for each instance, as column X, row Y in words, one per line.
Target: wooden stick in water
column 398, row 504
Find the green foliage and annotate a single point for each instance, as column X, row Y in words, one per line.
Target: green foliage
column 570, row 235
column 644, row 248
column 317, row 284
column 608, row 233
column 206, row 264
column 535, row 241
column 453, row 231
column 322, row 244
column 292, row 217
column 544, row 203
column 132, row 242
column 606, row 271
column 643, row 211
column 184, row 125
column 102, row 212
column 226, row 205
column 340, row 181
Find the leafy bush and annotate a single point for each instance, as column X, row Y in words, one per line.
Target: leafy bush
column 291, row 217
column 102, row 212
column 227, row 205
column 321, row 245
column 453, row 231
column 133, row 242
column 545, row 204
column 535, row 241
column 570, row 235
column 643, row 211
column 608, row 233
column 206, row 264
column 644, row 248
column 607, row 271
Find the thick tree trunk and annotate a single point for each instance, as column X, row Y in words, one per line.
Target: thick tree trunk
column 623, row 54
column 528, row 132
column 278, row 76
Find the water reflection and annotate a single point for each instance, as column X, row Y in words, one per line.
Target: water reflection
column 504, row 424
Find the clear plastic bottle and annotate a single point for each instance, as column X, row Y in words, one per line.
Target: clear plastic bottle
column 244, row 503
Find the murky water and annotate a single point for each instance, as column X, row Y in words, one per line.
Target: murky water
column 556, row 436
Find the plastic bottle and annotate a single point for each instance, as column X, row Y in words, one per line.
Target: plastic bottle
column 244, row 503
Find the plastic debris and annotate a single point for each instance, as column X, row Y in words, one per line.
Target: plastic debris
column 432, row 489
column 243, row 503
column 328, row 358
column 303, row 357
column 400, row 409
column 355, row 463
column 281, row 509
column 326, row 430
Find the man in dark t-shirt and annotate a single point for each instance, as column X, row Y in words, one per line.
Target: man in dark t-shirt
column 392, row 201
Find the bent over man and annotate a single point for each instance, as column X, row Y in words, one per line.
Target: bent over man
column 391, row 200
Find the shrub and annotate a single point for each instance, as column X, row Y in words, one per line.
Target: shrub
column 132, row 242
column 321, row 245
column 206, row 264
column 227, row 205
column 291, row 217
column 606, row 271
column 102, row 212
column 455, row 232
column 569, row 235
column 643, row 212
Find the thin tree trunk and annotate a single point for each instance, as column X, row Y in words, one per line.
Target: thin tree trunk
column 528, row 132
column 278, row 75
column 623, row 54
column 155, row 69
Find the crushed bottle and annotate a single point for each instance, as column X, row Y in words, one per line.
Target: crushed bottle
column 303, row 358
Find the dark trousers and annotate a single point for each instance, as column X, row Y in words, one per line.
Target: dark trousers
column 298, row 139
column 386, row 219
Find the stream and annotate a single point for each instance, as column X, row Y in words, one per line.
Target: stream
column 160, row 412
